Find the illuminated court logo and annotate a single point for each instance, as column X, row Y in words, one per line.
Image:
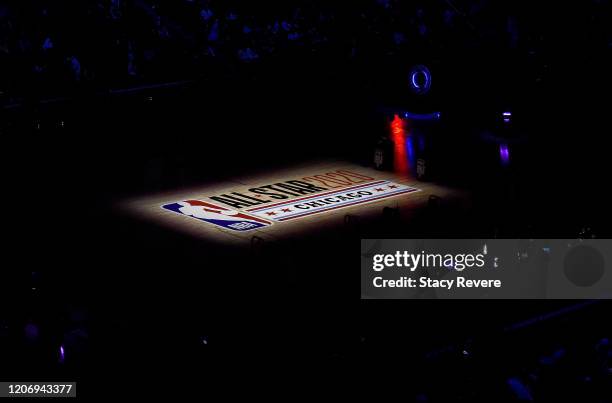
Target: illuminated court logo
column 217, row 215
column 261, row 206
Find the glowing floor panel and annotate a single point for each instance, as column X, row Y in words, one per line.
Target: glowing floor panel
column 282, row 203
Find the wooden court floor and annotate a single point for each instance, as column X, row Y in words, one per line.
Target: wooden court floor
column 149, row 207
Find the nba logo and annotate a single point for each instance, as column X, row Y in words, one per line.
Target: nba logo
column 216, row 215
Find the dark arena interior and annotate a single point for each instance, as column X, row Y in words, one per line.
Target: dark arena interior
column 491, row 117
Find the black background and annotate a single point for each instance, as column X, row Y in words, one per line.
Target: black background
column 151, row 296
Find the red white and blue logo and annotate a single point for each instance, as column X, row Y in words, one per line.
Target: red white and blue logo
column 263, row 205
column 217, row 215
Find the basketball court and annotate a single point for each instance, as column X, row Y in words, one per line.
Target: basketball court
column 286, row 202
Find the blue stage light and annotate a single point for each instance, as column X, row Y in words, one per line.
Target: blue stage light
column 420, row 79
column 422, row 116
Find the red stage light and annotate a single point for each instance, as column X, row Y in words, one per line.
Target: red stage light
column 398, row 136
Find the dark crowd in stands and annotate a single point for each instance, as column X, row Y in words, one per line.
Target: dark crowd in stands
column 53, row 47
column 576, row 372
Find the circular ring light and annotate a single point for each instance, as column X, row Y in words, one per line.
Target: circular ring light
column 420, row 79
